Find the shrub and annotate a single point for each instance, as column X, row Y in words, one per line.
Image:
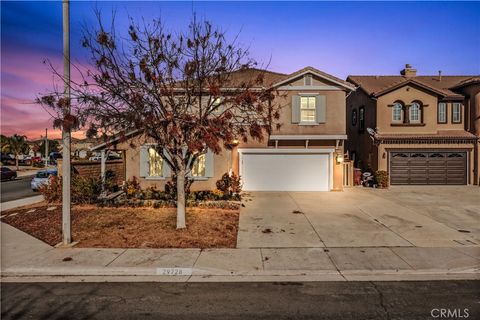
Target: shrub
column 132, row 188
column 382, row 178
column 171, row 187
column 230, row 185
column 83, row 189
column 52, row 192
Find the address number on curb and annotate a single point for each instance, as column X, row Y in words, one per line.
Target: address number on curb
column 174, row 271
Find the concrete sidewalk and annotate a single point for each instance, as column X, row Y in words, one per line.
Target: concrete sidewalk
column 20, row 202
column 25, row 258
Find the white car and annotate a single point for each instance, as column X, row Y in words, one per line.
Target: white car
column 41, row 178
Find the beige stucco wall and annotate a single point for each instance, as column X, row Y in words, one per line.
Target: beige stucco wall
column 228, row 159
column 407, row 95
column 383, row 156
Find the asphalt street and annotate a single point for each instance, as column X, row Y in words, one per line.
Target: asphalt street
column 289, row 300
column 16, row 189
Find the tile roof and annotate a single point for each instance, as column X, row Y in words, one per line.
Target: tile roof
column 378, row 85
column 441, row 134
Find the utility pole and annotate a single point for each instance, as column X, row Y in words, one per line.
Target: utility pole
column 66, row 136
column 46, row 147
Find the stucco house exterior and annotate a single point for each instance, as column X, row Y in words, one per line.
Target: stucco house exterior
column 304, row 154
column 420, row 129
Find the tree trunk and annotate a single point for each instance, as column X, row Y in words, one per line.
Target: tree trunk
column 16, row 161
column 181, row 199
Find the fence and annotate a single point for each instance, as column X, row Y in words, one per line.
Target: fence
column 93, row 168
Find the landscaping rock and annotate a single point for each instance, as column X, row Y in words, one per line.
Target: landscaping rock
column 32, row 210
column 51, row 208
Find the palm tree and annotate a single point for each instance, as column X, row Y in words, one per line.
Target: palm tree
column 15, row 144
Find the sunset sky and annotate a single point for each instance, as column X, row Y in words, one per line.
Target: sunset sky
column 340, row 38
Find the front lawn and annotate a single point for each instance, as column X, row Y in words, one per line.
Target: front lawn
column 126, row 227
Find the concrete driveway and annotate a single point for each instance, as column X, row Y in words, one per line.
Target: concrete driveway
column 362, row 217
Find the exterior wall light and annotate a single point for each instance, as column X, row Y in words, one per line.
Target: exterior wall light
column 339, row 158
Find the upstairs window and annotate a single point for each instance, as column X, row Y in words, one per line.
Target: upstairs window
column 397, row 112
column 442, row 112
column 307, row 109
column 361, row 119
column 415, row 113
column 354, row 117
column 456, row 112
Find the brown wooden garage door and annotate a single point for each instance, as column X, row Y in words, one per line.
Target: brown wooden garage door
column 432, row 167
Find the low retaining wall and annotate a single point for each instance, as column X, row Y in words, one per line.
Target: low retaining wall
column 93, row 168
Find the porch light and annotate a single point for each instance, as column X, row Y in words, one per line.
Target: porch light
column 339, row 158
column 235, row 142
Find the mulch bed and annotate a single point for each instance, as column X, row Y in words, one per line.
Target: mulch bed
column 125, row 227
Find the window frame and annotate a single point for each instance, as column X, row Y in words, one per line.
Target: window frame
column 361, row 119
column 410, row 120
column 150, row 176
column 314, row 109
column 459, row 112
column 401, row 120
column 199, row 177
column 354, row 117
column 445, row 111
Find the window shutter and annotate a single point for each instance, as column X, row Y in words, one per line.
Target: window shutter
column 209, row 172
column 167, row 171
column 144, row 161
column 321, row 106
column 295, row 109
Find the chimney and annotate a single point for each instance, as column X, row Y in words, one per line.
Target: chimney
column 439, row 75
column 408, row 72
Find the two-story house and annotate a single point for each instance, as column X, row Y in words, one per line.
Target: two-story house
column 304, row 154
column 420, row 129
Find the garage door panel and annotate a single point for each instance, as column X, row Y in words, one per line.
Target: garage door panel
column 433, row 167
column 285, row 172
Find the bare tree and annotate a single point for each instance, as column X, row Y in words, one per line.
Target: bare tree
column 177, row 89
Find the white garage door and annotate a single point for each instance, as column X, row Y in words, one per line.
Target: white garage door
column 285, row 172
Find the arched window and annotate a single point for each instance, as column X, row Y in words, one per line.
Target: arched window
column 415, row 115
column 397, row 112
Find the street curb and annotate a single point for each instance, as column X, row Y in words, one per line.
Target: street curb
column 20, row 202
column 202, row 275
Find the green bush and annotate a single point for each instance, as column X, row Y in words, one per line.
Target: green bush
column 382, row 178
column 83, row 189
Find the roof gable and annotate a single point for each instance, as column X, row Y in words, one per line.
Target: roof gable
column 378, row 85
column 320, row 74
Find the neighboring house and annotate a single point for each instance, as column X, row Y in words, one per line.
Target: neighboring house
column 305, row 154
column 425, row 128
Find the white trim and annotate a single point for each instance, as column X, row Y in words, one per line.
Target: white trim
column 329, row 151
column 318, row 75
column 155, row 178
column 320, row 88
column 308, row 123
column 285, row 150
column 101, row 145
column 310, row 137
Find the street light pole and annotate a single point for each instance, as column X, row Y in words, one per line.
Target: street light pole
column 66, row 136
column 46, row 147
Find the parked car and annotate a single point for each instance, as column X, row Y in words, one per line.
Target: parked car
column 8, row 174
column 41, row 178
